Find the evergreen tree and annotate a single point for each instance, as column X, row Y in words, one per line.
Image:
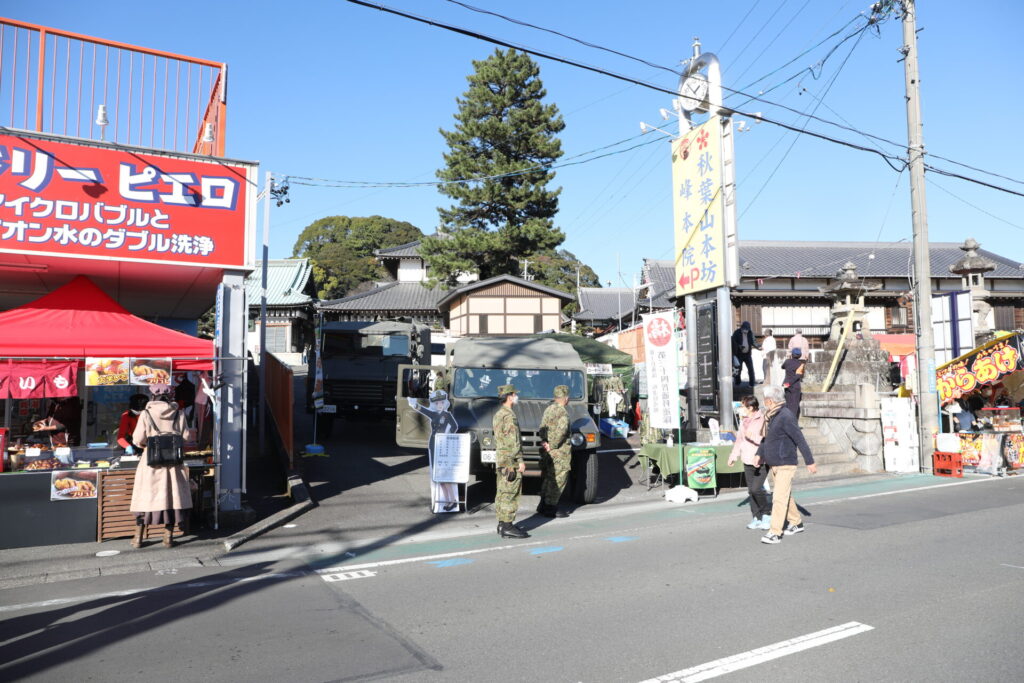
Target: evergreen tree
column 341, row 250
column 502, row 128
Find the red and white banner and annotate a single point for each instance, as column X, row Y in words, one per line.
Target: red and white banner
column 61, row 380
column 28, row 380
column 661, row 353
column 67, row 198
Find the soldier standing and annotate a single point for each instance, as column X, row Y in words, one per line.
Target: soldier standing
column 509, row 464
column 556, row 459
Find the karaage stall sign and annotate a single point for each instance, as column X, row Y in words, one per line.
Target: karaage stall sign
column 105, row 372
column 151, row 371
column 72, row 484
column 985, row 365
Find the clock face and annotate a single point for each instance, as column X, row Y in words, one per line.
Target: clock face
column 694, row 92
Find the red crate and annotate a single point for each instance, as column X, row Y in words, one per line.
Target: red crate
column 947, row 464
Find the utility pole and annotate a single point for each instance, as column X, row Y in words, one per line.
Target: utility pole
column 267, row 191
column 928, row 422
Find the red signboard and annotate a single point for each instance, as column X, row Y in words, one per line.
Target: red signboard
column 83, row 200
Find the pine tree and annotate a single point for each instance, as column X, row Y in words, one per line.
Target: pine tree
column 502, row 129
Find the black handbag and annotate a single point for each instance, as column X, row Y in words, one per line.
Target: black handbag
column 164, row 449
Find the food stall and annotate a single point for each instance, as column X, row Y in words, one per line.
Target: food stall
column 68, row 363
column 981, row 394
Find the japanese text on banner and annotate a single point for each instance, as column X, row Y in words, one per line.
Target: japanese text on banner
column 697, row 208
column 661, row 350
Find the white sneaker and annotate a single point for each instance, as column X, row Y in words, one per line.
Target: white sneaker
column 755, row 523
column 766, row 522
column 798, row 529
column 771, row 539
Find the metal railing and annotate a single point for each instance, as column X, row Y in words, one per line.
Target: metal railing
column 55, row 81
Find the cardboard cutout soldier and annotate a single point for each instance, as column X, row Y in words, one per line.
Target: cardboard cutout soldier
column 444, row 496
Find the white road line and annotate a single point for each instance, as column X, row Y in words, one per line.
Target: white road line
column 897, row 491
column 719, row 667
column 1012, row 566
column 157, row 589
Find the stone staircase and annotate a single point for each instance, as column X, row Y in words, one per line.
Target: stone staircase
column 831, row 459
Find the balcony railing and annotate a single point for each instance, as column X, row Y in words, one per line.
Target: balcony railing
column 55, row 81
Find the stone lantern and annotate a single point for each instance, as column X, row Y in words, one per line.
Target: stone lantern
column 972, row 268
column 847, row 294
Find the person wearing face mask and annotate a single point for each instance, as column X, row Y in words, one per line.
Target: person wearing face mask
column 747, row 440
column 130, row 418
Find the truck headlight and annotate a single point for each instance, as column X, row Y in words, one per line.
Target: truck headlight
column 576, row 439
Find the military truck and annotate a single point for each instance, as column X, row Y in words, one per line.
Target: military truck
column 360, row 364
column 474, row 370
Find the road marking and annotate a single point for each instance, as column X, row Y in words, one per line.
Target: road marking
column 347, row 576
column 159, row 589
column 454, row 562
column 621, row 539
column 550, row 549
column 897, row 491
column 719, row 667
column 1012, row 566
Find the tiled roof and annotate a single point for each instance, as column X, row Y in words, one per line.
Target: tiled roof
column 394, row 296
column 407, row 250
column 287, row 282
column 825, row 259
column 604, row 303
column 504, row 278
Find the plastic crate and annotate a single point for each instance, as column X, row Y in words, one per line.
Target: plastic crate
column 947, row 464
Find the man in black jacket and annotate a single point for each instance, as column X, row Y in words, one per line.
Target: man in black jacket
column 742, row 348
column 778, row 450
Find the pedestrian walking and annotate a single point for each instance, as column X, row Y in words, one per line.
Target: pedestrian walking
column 161, row 494
column 799, row 341
column 742, row 348
column 793, row 381
column 782, row 439
column 509, row 464
column 556, row 453
column 768, row 347
column 748, row 438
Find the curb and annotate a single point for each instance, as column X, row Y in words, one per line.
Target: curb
column 304, row 501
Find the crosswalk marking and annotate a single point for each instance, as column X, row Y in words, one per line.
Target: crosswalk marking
column 347, row 576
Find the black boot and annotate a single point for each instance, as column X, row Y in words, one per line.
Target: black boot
column 546, row 510
column 509, row 530
column 558, row 512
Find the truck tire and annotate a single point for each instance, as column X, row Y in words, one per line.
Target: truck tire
column 584, row 475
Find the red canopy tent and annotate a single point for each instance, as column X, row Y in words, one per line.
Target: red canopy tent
column 80, row 320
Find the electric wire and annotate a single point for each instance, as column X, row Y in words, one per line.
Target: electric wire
column 742, row 21
column 757, row 116
column 772, row 41
column 759, row 31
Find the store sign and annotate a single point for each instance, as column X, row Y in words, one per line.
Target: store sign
column 28, row 380
column 698, row 208
column 105, row 372
column 661, row 352
column 985, row 366
column 61, row 379
column 150, row 371
column 64, row 198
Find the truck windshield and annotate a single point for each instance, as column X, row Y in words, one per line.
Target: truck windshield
column 531, row 384
column 365, row 345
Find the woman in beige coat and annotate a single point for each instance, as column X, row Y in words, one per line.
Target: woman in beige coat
column 161, row 495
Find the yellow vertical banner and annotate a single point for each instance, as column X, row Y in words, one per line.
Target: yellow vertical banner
column 697, row 208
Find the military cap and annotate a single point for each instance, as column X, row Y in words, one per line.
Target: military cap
column 439, row 395
column 561, row 391
column 506, row 389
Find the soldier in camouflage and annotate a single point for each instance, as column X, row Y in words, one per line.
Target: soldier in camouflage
column 509, row 464
column 556, row 453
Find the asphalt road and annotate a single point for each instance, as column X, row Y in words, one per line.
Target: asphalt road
column 915, row 579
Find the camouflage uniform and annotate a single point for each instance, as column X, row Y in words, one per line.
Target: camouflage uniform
column 509, row 456
column 555, row 463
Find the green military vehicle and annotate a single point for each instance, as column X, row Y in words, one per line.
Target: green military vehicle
column 360, row 364
column 475, row 368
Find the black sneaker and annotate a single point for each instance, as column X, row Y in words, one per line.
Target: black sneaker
column 771, row 539
column 798, row 529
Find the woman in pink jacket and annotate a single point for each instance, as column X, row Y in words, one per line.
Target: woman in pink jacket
column 747, row 440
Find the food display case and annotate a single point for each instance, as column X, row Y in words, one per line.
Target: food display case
column 1000, row 419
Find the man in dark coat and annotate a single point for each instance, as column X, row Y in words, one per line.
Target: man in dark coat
column 778, row 449
column 742, row 348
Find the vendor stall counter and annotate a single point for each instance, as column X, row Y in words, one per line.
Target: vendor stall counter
column 670, row 459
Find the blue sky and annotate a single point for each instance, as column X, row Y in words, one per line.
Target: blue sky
column 328, row 89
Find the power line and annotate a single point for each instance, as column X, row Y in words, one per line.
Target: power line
column 760, row 117
column 744, row 19
column 772, row 41
column 974, row 206
column 566, row 36
column 750, row 42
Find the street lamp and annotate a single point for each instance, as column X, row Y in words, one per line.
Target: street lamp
column 648, row 128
